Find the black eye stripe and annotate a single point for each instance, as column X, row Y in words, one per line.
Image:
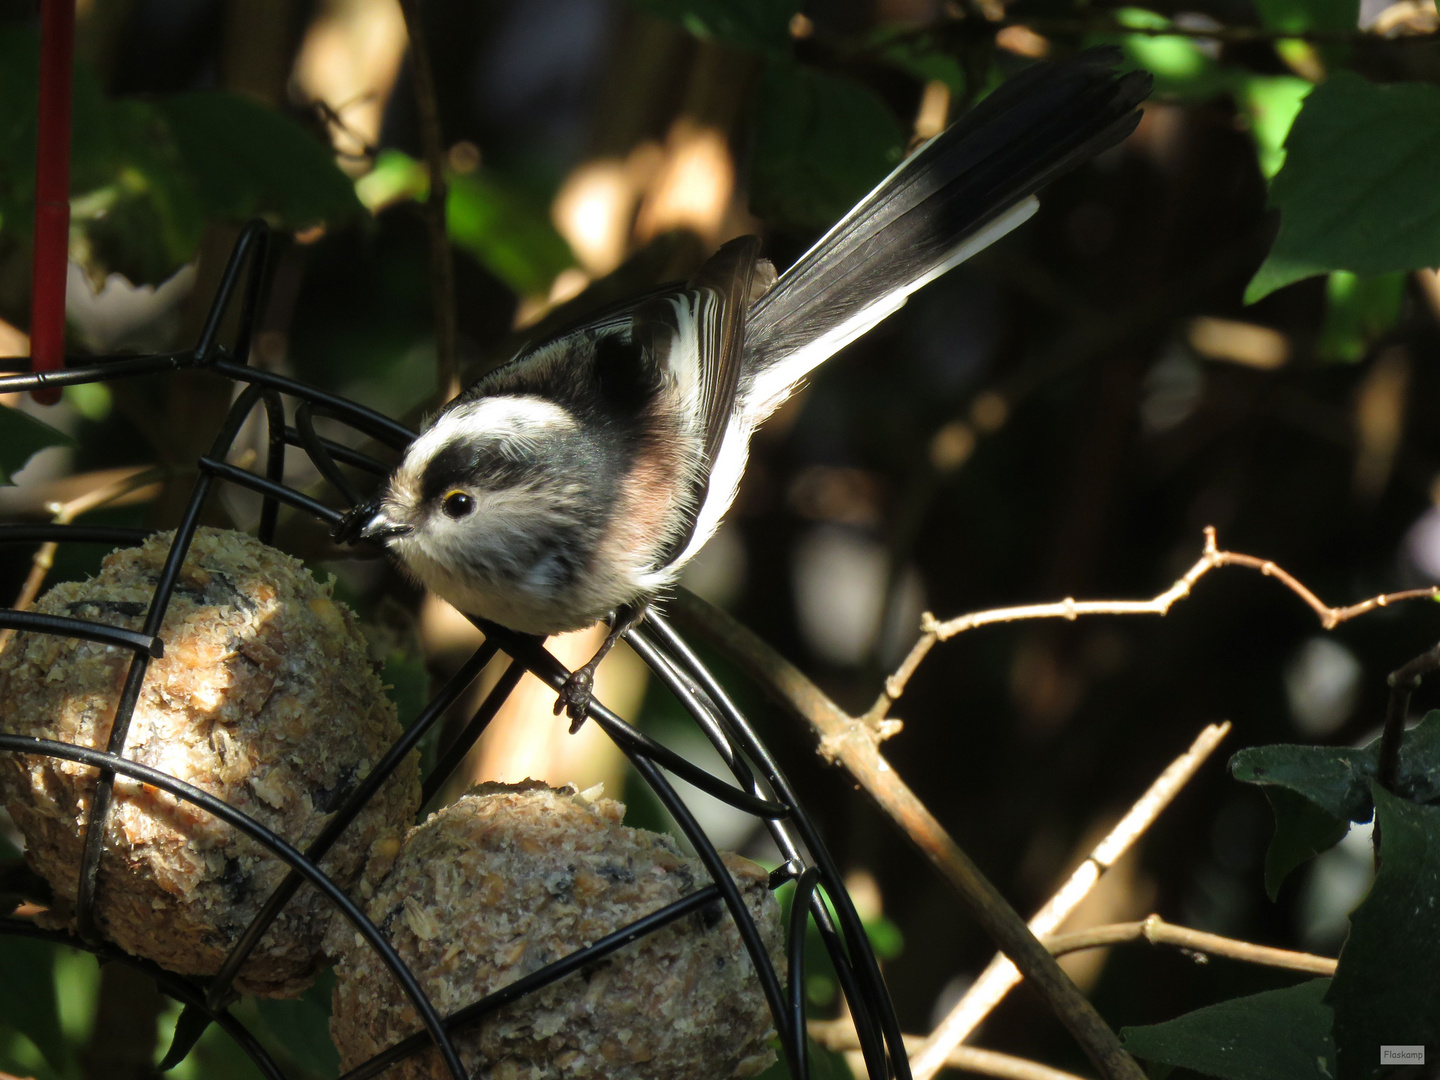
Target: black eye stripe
column 489, row 467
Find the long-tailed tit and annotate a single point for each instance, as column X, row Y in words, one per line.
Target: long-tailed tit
column 575, row 481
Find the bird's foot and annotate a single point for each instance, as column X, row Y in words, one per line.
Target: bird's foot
column 574, row 697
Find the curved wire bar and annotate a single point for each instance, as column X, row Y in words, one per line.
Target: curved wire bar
column 770, row 800
column 99, row 369
column 799, row 908
column 700, row 705
column 99, row 808
column 52, row 532
column 341, row 818
column 176, row 986
column 867, row 968
column 274, row 463
column 449, row 759
column 346, row 454
column 34, row 621
column 305, row 426
column 115, row 764
column 542, row 664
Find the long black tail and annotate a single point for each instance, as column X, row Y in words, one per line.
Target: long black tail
column 960, row 192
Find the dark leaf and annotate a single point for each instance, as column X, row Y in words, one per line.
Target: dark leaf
column 507, row 235
column 1302, row 831
column 27, row 997
column 144, row 220
column 1277, row 1035
column 407, row 684
column 1179, row 63
column 1386, row 990
column 752, row 24
column 1317, row 791
column 1357, row 188
column 188, row 1028
column 1335, row 779
column 921, row 56
column 1358, row 311
column 246, row 159
column 1309, row 14
column 302, row 1027
column 21, row 437
column 821, row 143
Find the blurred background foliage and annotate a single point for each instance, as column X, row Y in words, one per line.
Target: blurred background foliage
column 1158, row 350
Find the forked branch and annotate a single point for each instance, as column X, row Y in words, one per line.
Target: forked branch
column 933, row 631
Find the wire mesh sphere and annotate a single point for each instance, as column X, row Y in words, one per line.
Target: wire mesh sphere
column 265, row 697
column 509, row 878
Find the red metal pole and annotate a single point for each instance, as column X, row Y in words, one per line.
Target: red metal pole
column 52, row 193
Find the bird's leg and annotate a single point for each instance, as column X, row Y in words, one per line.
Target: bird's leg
column 574, row 696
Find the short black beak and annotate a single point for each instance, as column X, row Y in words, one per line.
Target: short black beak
column 367, row 522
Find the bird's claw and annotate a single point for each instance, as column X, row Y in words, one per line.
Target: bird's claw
column 574, row 697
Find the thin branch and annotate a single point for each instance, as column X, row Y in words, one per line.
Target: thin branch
column 855, row 744
column 1000, row 975
column 442, row 266
column 63, row 514
column 840, row 1035
column 1157, row 931
column 1227, row 34
column 1403, row 682
column 933, row 631
column 968, row 27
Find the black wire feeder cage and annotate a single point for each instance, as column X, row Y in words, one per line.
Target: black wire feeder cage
column 756, row 785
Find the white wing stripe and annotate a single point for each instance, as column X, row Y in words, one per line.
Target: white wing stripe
column 773, row 385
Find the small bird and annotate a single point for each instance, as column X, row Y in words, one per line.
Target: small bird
column 575, row 481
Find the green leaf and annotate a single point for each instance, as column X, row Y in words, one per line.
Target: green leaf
column 751, row 24
column 821, row 143
column 1270, row 104
column 1385, row 990
column 885, row 937
column 1317, row 791
column 21, row 437
column 1277, row 1035
column 511, row 238
column 1357, row 189
column 922, row 56
column 302, row 1026
column 395, row 176
column 1334, row 779
column 1357, row 312
column 144, row 219
column 407, row 684
column 246, row 159
column 27, row 997
column 1179, row 64
column 1302, row 831
column 1334, row 15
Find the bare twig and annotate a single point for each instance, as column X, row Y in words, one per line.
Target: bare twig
column 1000, row 974
column 840, row 1035
column 1403, row 682
column 1228, row 34
column 933, row 631
column 63, row 514
column 1157, row 931
column 442, row 267
column 854, row 743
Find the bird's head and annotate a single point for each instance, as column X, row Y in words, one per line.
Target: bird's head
column 494, row 490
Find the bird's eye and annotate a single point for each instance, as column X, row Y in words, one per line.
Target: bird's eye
column 457, row 505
